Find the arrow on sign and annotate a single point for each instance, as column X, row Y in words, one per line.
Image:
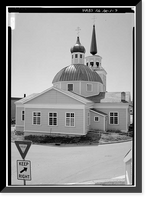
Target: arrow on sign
column 23, row 170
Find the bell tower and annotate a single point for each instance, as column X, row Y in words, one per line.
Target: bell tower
column 77, row 51
column 95, row 61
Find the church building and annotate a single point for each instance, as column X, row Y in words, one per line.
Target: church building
column 77, row 102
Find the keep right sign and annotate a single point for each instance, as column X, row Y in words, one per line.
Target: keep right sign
column 24, row 170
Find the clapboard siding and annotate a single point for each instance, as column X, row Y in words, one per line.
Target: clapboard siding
column 61, row 121
column 96, row 88
column 87, row 126
column 53, row 97
column 123, row 125
column 79, row 87
column 76, row 86
column 19, row 116
column 97, row 125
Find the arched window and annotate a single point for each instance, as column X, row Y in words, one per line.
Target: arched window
column 97, row 64
column 92, row 63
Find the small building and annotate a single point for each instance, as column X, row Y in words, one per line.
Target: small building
column 78, row 100
column 13, row 107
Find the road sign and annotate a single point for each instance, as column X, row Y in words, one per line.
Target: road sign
column 24, row 170
column 23, row 147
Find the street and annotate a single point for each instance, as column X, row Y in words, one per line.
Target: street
column 58, row 165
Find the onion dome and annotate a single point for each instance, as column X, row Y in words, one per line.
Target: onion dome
column 93, row 49
column 77, row 47
column 77, row 72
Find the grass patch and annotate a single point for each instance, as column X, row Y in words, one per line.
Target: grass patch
column 92, row 137
column 89, row 138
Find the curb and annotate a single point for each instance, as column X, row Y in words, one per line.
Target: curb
column 120, row 180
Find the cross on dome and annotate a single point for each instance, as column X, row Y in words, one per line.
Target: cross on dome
column 94, row 19
column 78, row 30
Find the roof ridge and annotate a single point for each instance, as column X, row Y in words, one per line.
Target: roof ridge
column 98, row 111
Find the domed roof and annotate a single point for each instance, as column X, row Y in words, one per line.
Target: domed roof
column 77, row 47
column 77, row 72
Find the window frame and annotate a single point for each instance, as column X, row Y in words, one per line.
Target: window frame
column 97, row 64
column 69, row 119
column 98, row 119
column 72, row 87
column 113, row 118
column 91, row 87
column 52, row 118
column 22, row 115
column 76, row 55
column 36, row 117
column 92, row 63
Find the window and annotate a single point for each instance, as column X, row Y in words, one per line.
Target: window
column 70, row 87
column 96, row 119
column 97, row 64
column 92, row 63
column 76, row 55
column 87, row 63
column 80, row 55
column 70, row 119
column 36, row 118
column 89, row 87
column 114, row 118
column 52, row 119
column 22, row 115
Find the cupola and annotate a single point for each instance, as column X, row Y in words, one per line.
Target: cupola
column 77, row 53
column 78, row 47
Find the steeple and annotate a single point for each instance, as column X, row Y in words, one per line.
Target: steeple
column 93, row 49
column 94, row 60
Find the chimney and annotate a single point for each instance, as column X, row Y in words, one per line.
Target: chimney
column 123, row 95
column 24, row 95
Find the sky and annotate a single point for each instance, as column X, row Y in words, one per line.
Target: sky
column 41, row 45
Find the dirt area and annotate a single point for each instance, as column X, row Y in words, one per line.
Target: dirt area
column 114, row 137
column 93, row 137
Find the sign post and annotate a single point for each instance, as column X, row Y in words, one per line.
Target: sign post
column 23, row 166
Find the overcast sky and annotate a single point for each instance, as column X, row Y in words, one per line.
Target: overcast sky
column 41, row 45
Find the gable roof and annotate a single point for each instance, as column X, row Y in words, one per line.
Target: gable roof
column 109, row 97
column 98, row 112
column 23, row 100
column 67, row 93
column 102, row 97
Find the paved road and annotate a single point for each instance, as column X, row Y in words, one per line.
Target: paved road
column 56, row 165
